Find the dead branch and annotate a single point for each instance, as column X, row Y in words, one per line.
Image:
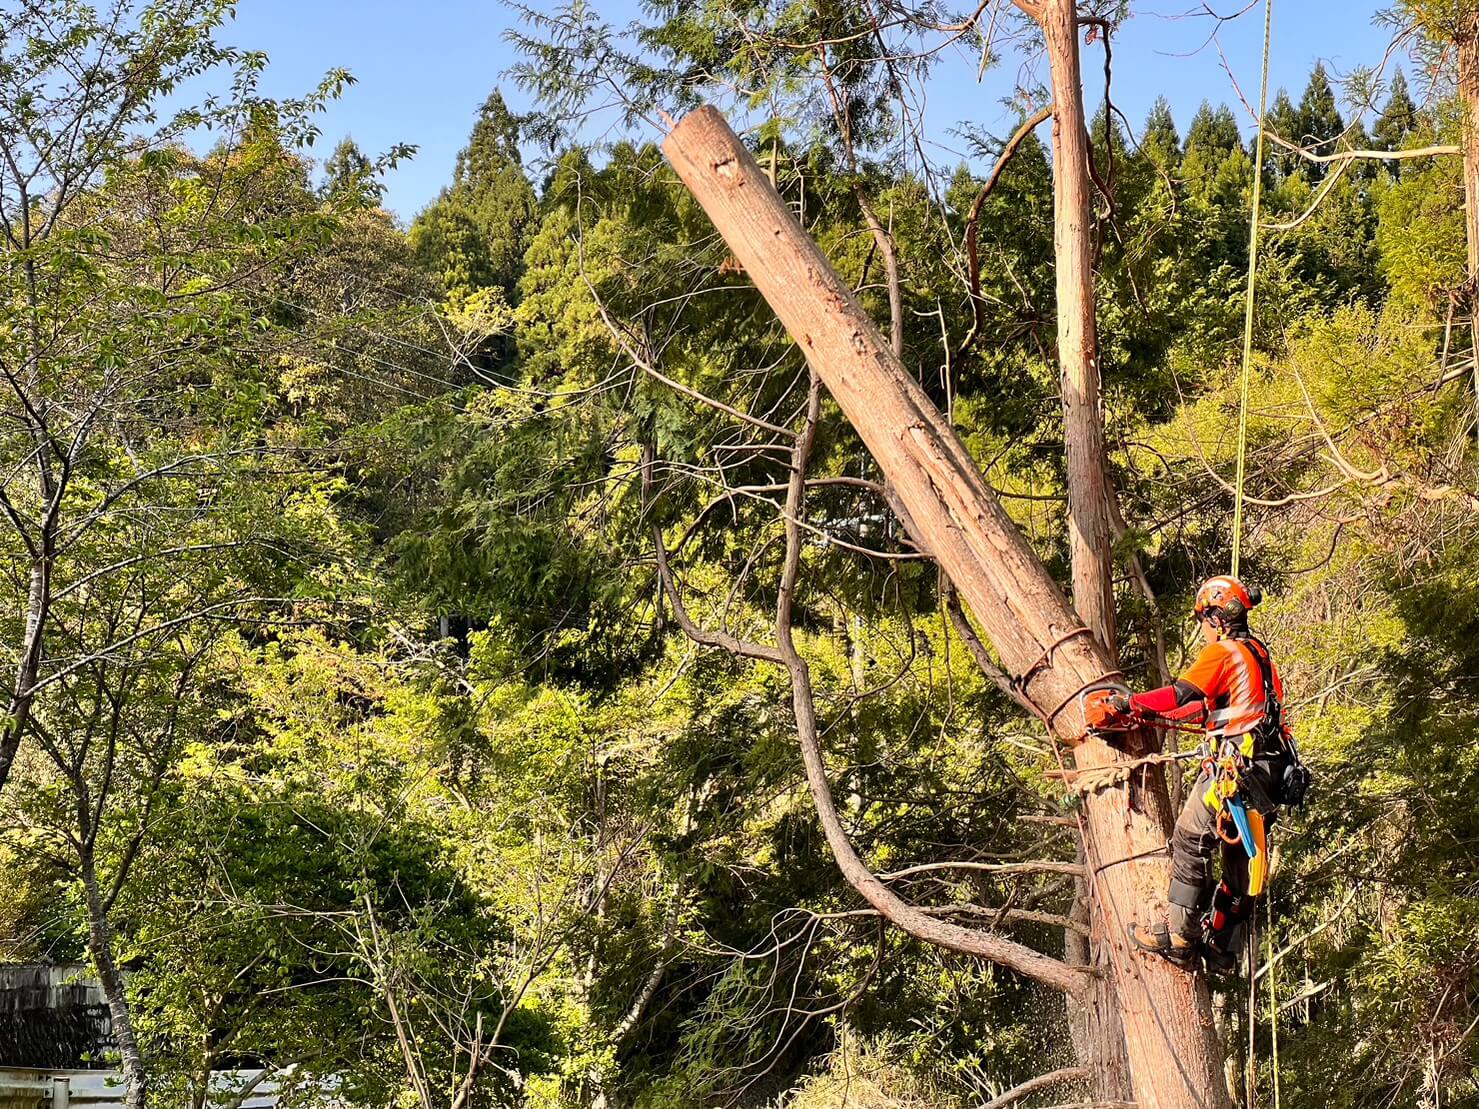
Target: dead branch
column 476, row 1056
column 987, row 912
column 918, row 923
column 653, row 372
column 1303, row 939
column 1032, row 1085
column 239, row 1099
column 1319, row 198
column 1014, row 956
column 973, row 218
column 982, row 656
column 650, row 986
column 404, row 1037
column 1041, row 866
column 1363, row 155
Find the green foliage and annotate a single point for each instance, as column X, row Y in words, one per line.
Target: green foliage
column 1318, row 122
column 474, row 235
column 442, row 757
column 350, row 177
column 1398, row 120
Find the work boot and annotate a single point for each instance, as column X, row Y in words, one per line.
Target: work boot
column 1175, row 948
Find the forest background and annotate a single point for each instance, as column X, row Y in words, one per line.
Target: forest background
column 354, row 729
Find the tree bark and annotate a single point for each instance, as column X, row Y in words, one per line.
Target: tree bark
column 18, row 716
column 100, row 947
column 1099, row 1033
column 1174, row 1052
column 1090, row 536
column 1094, row 1019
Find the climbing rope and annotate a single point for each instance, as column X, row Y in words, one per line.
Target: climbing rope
column 1237, row 532
column 1251, row 1076
column 1237, row 535
column 1273, row 1004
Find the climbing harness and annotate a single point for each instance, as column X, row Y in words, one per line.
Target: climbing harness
column 1239, row 823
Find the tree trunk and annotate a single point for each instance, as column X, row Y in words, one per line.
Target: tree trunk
column 38, row 602
column 1468, row 90
column 1099, row 1036
column 1094, row 1019
column 1090, row 539
column 100, row 947
column 1174, row 1052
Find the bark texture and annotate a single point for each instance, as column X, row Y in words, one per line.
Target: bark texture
column 1094, row 1019
column 1090, row 538
column 1174, row 1052
column 100, row 947
column 1099, row 1033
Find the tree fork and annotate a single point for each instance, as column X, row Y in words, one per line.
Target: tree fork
column 1174, row 1053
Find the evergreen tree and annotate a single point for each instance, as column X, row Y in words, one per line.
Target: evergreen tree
column 1358, row 138
column 1160, row 140
column 1213, row 131
column 1282, row 120
column 1320, row 122
column 1216, row 166
column 475, row 233
column 1397, row 121
column 349, row 177
column 492, row 148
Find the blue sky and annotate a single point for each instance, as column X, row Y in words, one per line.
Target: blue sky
column 424, row 69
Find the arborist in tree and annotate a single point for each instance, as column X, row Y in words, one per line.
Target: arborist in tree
column 1250, row 766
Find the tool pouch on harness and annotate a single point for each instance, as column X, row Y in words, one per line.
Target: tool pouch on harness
column 1286, row 778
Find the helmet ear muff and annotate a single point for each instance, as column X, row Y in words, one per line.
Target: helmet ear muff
column 1233, row 611
column 1255, row 595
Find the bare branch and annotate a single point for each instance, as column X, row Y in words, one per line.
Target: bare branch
column 973, row 219
column 984, row 661
column 1012, row 955
column 1319, row 198
column 1362, row 155
column 651, row 371
column 1037, row 866
column 1033, row 1085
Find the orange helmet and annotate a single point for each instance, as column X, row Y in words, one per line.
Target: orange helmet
column 1226, row 596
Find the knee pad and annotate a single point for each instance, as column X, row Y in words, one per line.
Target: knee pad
column 1189, row 895
column 1187, row 902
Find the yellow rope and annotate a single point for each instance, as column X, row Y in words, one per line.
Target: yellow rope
column 1237, row 536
